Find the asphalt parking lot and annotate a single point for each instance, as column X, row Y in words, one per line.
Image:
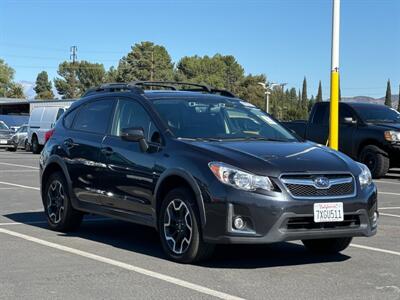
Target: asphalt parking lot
column 108, row 259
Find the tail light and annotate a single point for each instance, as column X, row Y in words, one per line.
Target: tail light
column 48, row 135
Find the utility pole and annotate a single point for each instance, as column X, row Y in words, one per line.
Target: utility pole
column 334, row 105
column 73, row 56
column 268, row 87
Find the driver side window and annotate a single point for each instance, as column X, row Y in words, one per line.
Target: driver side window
column 130, row 114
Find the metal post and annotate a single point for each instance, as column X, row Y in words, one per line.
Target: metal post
column 267, row 102
column 334, row 105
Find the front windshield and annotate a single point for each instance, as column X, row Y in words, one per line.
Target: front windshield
column 222, row 120
column 378, row 114
column 3, row 126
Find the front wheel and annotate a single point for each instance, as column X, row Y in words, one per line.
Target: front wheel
column 60, row 214
column 35, row 145
column 327, row 246
column 375, row 160
column 179, row 228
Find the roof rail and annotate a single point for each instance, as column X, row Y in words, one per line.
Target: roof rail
column 113, row 87
column 137, row 87
column 173, row 86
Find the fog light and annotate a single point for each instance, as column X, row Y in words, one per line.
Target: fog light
column 375, row 219
column 238, row 223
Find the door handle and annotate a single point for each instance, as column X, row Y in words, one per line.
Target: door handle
column 69, row 143
column 107, row 151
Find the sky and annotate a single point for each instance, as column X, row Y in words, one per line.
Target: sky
column 283, row 39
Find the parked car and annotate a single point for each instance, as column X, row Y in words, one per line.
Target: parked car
column 5, row 135
column 42, row 120
column 368, row 133
column 183, row 163
column 20, row 139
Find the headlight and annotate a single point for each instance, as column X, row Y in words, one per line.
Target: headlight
column 365, row 177
column 392, row 136
column 239, row 179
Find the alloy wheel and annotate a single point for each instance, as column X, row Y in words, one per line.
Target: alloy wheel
column 55, row 202
column 178, row 226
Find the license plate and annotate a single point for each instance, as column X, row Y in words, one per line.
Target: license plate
column 3, row 141
column 328, row 212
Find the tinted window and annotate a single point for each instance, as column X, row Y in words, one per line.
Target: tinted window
column 94, row 117
column 217, row 118
column 321, row 115
column 130, row 114
column 378, row 114
column 69, row 118
column 59, row 113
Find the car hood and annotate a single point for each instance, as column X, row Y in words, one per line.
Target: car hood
column 387, row 126
column 5, row 133
column 275, row 158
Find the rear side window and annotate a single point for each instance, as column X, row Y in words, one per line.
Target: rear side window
column 94, row 117
column 59, row 113
column 321, row 115
column 69, row 118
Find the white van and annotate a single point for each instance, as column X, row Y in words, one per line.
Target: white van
column 42, row 119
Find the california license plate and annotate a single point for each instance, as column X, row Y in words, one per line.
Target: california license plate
column 3, row 141
column 328, row 212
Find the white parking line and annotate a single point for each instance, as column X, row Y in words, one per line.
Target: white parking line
column 170, row 279
column 21, row 166
column 388, row 207
column 390, row 182
column 18, row 171
column 375, row 249
column 387, row 193
column 20, row 185
column 45, row 222
column 389, row 215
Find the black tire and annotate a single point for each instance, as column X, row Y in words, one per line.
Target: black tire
column 327, row 246
column 35, row 145
column 375, row 160
column 13, row 149
column 196, row 250
column 26, row 146
column 67, row 219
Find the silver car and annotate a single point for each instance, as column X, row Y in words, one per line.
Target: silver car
column 20, row 139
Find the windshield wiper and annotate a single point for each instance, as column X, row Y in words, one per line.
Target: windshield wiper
column 381, row 120
column 205, row 139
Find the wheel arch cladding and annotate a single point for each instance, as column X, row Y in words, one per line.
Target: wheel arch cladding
column 54, row 165
column 178, row 178
column 370, row 142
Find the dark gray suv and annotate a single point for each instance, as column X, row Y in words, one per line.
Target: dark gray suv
column 203, row 168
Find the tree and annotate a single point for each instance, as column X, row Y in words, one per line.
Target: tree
column 67, row 86
column 8, row 88
column 146, row 61
column 304, row 99
column 15, row 91
column 78, row 77
column 319, row 94
column 388, row 97
column 111, row 75
column 43, row 86
column 251, row 91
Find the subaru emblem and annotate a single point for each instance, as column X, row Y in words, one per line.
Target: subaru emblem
column 322, row 182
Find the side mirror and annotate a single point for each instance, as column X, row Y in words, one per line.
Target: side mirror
column 135, row 134
column 349, row 121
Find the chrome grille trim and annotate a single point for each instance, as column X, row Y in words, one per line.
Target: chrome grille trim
column 306, row 180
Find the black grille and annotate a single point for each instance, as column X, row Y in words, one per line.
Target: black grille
column 307, row 223
column 299, row 189
column 310, row 191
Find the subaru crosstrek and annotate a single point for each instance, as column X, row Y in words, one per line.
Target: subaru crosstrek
column 203, row 168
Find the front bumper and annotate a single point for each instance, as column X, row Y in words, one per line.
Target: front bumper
column 8, row 144
column 277, row 217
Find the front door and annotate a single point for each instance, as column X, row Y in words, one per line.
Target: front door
column 130, row 177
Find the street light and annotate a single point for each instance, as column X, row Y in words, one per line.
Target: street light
column 268, row 87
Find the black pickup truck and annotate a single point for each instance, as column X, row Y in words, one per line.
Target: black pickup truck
column 369, row 133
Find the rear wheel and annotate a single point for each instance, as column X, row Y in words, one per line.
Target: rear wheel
column 60, row 214
column 35, row 145
column 375, row 160
column 26, row 145
column 327, row 246
column 179, row 228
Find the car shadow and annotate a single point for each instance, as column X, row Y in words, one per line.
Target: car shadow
column 145, row 240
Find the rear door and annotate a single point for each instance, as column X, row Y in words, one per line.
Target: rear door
column 82, row 147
